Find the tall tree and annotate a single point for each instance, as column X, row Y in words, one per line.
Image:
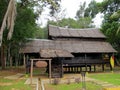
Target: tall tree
column 25, row 24
column 110, row 25
column 8, row 20
column 91, row 10
column 116, row 16
column 9, row 14
column 66, row 22
column 111, row 22
column 83, row 16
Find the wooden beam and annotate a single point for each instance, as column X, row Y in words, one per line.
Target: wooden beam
column 62, row 68
column 40, row 59
column 94, row 68
column 31, row 71
column 103, row 67
column 24, row 64
column 50, row 70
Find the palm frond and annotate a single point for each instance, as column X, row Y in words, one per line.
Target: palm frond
column 8, row 20
column 118, row 30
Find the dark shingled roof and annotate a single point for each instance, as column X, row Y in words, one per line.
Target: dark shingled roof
column 55, row 31
column 35, row 46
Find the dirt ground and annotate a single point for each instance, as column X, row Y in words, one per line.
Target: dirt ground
column 12, row 71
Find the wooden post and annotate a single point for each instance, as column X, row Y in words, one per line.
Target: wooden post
column 11, row 61
column 3, row 61
column 103, row 67
column 86, row 67
column 94, row 68
column 50, row 70
column 90, row 68
column 31, row 71
column 85, row 62
column 62, row 68
column 24, row 64
column 111, row 68
column 80, row 69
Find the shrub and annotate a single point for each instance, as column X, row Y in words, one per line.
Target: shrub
column 56, row 81
column 77, row 80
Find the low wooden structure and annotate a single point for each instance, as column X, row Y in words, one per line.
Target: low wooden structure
column 71, row 49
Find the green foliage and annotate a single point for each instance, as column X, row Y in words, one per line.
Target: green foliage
column 71, row 23
column 39, row 5
column 3, row 4
column 85, row 22
column 25, row 24
column 81, row 11
column 25, row 27
column 116, row 15
column 41, row 33
column 84, row 15
column 111, row 21
column 91, row 10
column 109, row 6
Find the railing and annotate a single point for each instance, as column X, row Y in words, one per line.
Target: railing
column 76, row 65
column 85, row 61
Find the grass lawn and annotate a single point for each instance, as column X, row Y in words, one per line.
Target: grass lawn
column 9, row 84
column 72, row 86
column 6, row 84
column 113, row 78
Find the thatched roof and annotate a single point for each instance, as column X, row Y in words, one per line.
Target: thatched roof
column 46, row 53
column 35, row 46
column 55, row 31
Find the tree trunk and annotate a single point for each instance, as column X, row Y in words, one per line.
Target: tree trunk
column 3, row 61
column 11, row 62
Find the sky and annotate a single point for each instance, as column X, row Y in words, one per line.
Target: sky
column 71, row 7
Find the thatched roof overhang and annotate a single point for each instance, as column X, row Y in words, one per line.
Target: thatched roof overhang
column 71, row 46
column 48, row 53
column 55, row 31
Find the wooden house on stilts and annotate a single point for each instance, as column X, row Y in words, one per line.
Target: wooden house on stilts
column 71, row 49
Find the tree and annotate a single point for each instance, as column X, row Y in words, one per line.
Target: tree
column 91, row 10
column 111, row 22
column 81, row 12
column 25, row 25
column 8, row 20
column 9, row 14
column 84, row 15
column 116, row 16
column 65, row 22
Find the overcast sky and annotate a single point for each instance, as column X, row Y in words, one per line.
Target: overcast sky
column 71, row 6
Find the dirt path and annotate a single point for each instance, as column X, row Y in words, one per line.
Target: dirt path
column 16, row 76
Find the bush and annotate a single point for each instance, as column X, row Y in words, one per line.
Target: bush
column 56, row 81
column 77, row 80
